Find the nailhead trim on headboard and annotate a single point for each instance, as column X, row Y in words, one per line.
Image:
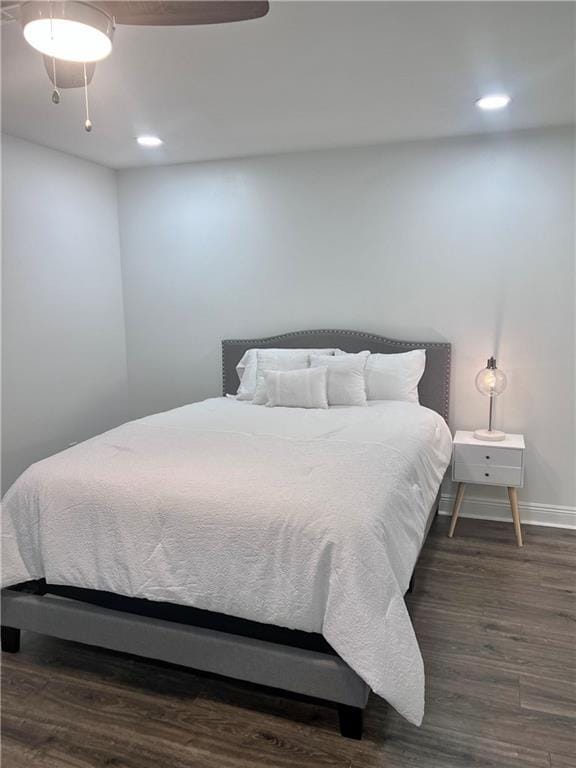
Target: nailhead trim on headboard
column 445, row 346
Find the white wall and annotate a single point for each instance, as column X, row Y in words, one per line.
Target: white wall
column 469, row 240
column 64, row 358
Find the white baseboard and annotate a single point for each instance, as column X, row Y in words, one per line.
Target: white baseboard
column 499, row 509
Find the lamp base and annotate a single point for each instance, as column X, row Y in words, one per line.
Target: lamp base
column 491, row 435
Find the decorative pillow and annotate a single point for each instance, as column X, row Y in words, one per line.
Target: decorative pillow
column 345, row 377
column 276, row 360
column 297, row 389
column 395, row 377
column 247, row 368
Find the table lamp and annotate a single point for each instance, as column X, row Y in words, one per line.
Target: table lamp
column 490, row 381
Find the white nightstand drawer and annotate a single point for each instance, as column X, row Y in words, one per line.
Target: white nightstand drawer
column 491, row 475
column 481, row 454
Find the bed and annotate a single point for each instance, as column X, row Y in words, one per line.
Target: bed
column 270, row 545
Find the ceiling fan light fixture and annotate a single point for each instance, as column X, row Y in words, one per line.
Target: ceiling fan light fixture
column 73, row 35
column 70, row 31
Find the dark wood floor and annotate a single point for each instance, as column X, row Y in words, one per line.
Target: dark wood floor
column 497, row 628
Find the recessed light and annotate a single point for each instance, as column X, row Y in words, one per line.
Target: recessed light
column 149, row 141
column 493, row 101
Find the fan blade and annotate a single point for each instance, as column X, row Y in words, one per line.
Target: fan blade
column 69, row 74
column 9, row 10
column 156, row 13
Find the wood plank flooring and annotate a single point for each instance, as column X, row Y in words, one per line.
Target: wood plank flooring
column 497, row 629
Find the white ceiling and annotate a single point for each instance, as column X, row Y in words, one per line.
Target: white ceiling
column 308, row 75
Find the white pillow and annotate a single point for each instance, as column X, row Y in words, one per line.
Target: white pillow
column 247, row 367
column 395, row 377
column 276, row 360
column 246, row 370
column 305, row 388
column 345, row 377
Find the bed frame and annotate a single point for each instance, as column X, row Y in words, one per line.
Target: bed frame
column 300, row 662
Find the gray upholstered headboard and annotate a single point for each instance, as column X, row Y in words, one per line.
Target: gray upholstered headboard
column 434, row 387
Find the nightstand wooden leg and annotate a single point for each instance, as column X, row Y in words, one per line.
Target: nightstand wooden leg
column 456, row 509
column 513, row 496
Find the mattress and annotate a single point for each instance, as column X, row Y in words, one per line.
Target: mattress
column 307, row 519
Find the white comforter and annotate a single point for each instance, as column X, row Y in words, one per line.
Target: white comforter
column 309, row 519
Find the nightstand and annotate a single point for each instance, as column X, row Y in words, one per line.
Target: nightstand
column 488, row 463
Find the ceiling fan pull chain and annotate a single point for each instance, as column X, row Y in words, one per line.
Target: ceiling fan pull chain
column 55, row 92
column 88, row 123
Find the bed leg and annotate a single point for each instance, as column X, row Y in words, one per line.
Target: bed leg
column 350, row 719
column 10, row 639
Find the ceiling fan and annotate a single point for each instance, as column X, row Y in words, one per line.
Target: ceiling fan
column 73, row 35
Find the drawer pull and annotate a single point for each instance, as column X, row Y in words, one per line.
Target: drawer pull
column 486, row 474
column 488, row 457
